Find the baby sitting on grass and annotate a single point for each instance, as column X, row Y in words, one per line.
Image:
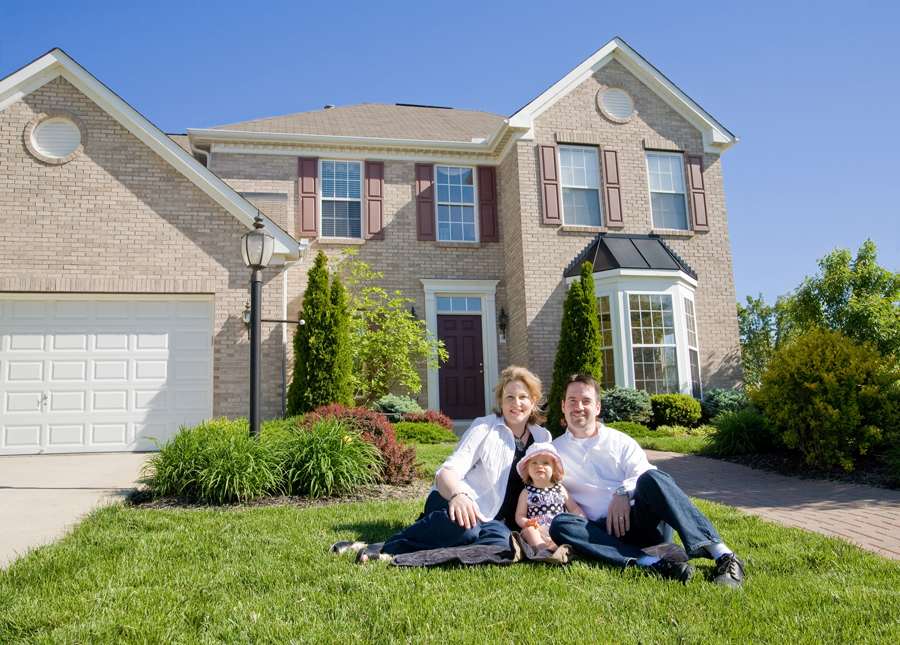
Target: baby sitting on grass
column 544, row 497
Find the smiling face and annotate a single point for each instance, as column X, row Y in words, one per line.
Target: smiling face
column 516, row 405
column 582, row 409
column 540, row 471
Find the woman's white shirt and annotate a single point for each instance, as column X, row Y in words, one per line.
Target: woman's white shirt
column 483, row 458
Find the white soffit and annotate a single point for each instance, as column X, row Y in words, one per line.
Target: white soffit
column 57, row 63
column 716, row 138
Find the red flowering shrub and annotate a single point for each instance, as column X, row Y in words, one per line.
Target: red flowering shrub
column 399, row 465
column 430, row 416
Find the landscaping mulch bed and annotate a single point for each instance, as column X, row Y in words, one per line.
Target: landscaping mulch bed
column 418, row 489
column 870, row 469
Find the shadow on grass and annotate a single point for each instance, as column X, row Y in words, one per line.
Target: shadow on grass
column 371, row 531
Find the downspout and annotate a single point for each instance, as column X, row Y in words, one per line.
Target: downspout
column 284, row 329
column 205, row 153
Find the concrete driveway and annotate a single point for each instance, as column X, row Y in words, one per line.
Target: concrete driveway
column 43, row 496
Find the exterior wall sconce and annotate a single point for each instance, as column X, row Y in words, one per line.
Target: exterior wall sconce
column 502, row 321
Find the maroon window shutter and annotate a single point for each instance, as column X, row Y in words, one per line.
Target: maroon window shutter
column 550, row 185
column 487, row 203
column 308, row 187
column 612, row 189
column 425, row 201
column 374, row 207
column 698, row 192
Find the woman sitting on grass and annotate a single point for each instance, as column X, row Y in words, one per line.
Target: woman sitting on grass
column 476, row 489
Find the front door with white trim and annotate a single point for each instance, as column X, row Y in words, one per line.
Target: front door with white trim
column 461, row 378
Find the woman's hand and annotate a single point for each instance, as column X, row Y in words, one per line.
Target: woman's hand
column 464, row 511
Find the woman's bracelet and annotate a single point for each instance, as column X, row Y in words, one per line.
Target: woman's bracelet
column 462, row 492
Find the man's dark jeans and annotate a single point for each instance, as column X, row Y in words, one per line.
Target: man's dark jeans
column 658, row 502
column 435, row 530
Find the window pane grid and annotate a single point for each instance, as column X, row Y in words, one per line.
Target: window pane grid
column 608, row 370
column 456, row 304
column 667, row 201
column 653, row 323
column 691, row 322
column 341, row 199
column 580, row 183
column 456, row 203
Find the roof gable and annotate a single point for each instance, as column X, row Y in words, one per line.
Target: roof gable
column 716, row 138
column 57, row 63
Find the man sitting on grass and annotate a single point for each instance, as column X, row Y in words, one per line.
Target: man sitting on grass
column 628, row 502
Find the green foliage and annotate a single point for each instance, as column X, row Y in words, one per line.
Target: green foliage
column 892, row 458
column 626, row 404
column 396, row 406
column 720, row 400
column 675, row 409
column 217, row 461
column 321, row 346
column 855, row 297
column 701, row 431
column 326, row 457
column 741, row 432
column 578, row 351
column 631, row 429
column 763, row 329
column 423, row 433
column 671, row 431
column 389, row 342
column 689, row 445
column 829, row 397
column 430, row 416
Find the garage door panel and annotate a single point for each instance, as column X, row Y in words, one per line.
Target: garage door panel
column 148, row 341
column 16, row 436
column 187, row 340
column 112, row 309
column 71, row 309
column 23, row 401
column 110, row 370
column 191, row 370
column 153, row 310
column 196, row 310
column 109, row 434
column 66, row 434
column 67, row 402
column 24, row 371
column 114, row 401
column 110, row 341
column 68, row 370
column 150, row 370
column 26, row 342
column 150, row 400
column 189, row 400
column 68, row 342
column 24, row 309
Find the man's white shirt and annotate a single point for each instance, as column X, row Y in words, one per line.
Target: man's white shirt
column 597, row 466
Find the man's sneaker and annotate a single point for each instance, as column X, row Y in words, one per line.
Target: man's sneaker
column 671, row 570
column 729, row 571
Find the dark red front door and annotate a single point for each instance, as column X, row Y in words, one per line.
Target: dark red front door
column 461, row 378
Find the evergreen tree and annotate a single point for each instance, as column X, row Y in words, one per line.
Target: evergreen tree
column 579, row 343
column 343, row 361
column 314, row 348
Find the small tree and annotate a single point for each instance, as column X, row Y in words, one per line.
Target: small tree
column 578, row 351
column 763, row 329
column 320, row 346
column 343, row 359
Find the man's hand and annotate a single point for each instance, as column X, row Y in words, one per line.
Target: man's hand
column 618, row 516
column 464, row 511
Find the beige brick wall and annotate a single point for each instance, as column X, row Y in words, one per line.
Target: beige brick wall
column 550, row 249
column 402, row 259
column 119, row 219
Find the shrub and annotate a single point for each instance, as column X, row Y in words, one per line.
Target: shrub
column 326, row 457
column 892, row 458
column 634, row 430
column 398, row 462
column 675, row 409
column 625, row 404
column 830, row 398
column 701, row 431
column 430, row 416
column 720, row 400
column 740, row 433
column 423, row 433
column 672, row 431
column 396, row 406
column 216, row 460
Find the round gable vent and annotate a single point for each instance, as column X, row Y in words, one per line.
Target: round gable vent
column 56, row 138
column 616, row 104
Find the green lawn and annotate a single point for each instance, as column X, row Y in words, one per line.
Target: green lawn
column 684, row 445
column 263, row 576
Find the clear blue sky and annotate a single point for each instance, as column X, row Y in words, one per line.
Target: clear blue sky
column 812, row 88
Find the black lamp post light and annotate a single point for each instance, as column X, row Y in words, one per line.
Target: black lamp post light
column 257, row 247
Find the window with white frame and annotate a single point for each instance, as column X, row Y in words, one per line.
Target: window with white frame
column 693, row 351
column 580, row 183
column 608, row 370
column 455, row 203
column 457, row 305
column 654, row 349
column 341, row 198
column 667, row 200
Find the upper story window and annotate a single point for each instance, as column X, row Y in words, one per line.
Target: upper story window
column 455, row 203
column 580, row 183
column 341, row 199
column 667, row 202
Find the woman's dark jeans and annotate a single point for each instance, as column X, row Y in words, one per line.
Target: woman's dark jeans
column 435, row 530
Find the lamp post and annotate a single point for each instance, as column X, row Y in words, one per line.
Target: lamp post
column 256, row 248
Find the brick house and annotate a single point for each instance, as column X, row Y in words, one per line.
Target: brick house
column 482, row 219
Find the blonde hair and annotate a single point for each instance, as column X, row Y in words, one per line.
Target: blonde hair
column 531, row 382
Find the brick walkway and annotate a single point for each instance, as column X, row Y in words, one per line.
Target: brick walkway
column 864, row 516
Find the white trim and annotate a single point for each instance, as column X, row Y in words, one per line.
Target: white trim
column 56, row 63
column 716, row 138
column 485, row 290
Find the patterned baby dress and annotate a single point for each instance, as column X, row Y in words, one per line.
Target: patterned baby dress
column 545, row 503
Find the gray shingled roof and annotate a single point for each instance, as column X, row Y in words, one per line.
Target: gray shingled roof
column 622, row 251
column 380, row 121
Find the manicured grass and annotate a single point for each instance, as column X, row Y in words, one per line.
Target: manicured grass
column 684, row 445
column 432, row 456
column 263, row 576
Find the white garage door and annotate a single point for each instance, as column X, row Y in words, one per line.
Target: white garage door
column 101, row 375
